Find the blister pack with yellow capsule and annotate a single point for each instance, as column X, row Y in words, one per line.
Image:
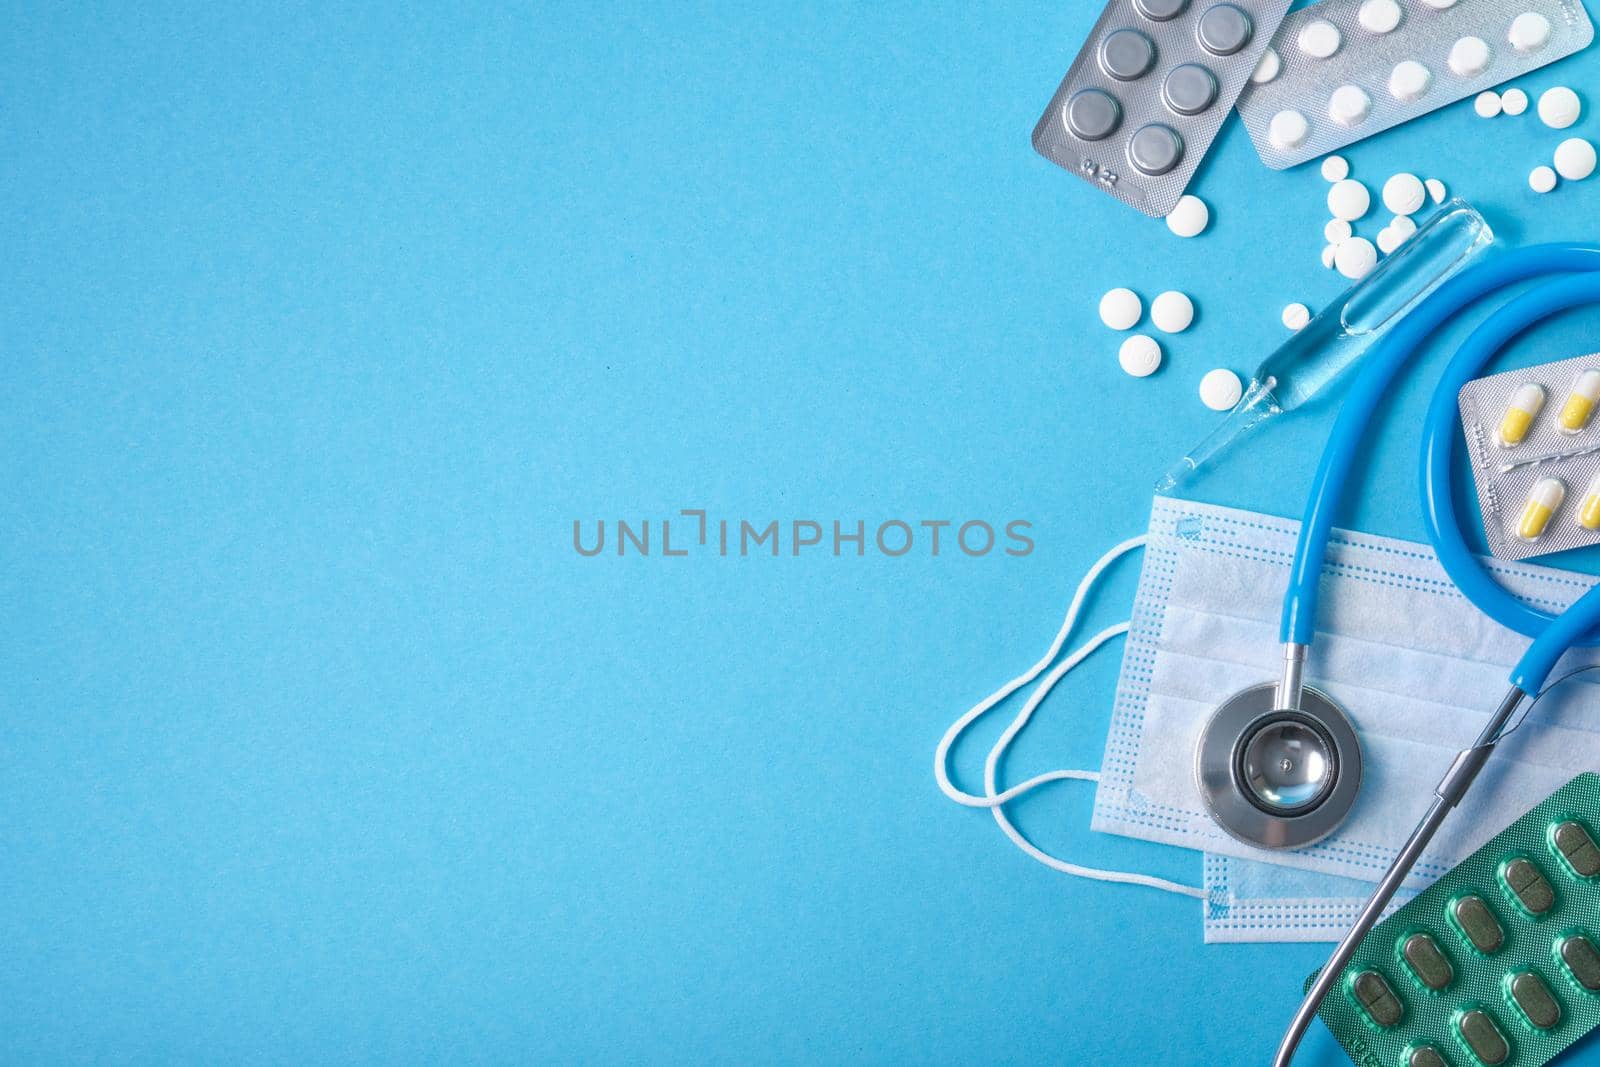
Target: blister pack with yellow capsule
column 1533, row 437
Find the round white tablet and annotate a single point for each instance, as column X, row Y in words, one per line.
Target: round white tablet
column 1335, row 168
column 1172, row 312
column 1403, row 194
column 1296, row 315
column 1140, row 355
column 1403, row 225
column 1190, row 217
column 1288, row 130
column 1379, row 16
column 1514, row 101
column 1355, row 258
column 1328, row 252
column 1530, row 31
column 1575, row 159
column 1409, row 80
column 1487, row 104
column 1319, row 39
column 1469, row 57
column 1389, row 239
column 1337, row 230
column 1220, row 389
column 1349, row 105
column 1269, row 67
column 1348, row 200
column 1121, row 309
column 1436, row 190
column 1542, row 179
column 1559, row 107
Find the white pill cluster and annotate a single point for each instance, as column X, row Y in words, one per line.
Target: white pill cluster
column 1140, row 355
column 1349, row 201
column 1559, row 108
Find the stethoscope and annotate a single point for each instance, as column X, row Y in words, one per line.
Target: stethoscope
column 1279, row 765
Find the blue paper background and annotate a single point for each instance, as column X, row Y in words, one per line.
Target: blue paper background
column 323, row 324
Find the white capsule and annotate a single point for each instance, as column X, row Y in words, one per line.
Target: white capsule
column 1404, row 194
column 1436, row 190
column 1269, row 67
column 1575, row 159
column 1530, row 31
column 1288, row 130
column 1349, row 105
column 1172, row 312
column 1296, row 315
column 1589, row 510
column 1379, row 16
column 1121, row 309
column 1140, row 355
column 1523, row 407
column 1409, row 80
column 1514, row 101
column 1541, row 179
column 1578, row 408
column 1335, row 168
column 1355, row 258
column 1320, row 39
column 1469, row 57
column 1337, row 230
column 1220, row 389
column 1487, row 104
column 1559, row 107
column 1349, row 200
column 1544, row 500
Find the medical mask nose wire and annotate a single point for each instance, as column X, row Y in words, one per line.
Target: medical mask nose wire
column 995, row 800
column 1552, row 635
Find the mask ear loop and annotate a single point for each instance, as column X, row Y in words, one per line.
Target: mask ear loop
column 996, row 800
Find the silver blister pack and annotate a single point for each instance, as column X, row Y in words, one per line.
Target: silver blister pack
column 1561, row 442
column 1393, row 61
column 1149, row 90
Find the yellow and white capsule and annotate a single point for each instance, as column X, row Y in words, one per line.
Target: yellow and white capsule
column 1589, row 511
column 1544, row 500
column 1579, row 408
column 1520, row 413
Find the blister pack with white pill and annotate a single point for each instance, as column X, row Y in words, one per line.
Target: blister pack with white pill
column 1149, row 90
column 1533, row 439
column 1343, row 70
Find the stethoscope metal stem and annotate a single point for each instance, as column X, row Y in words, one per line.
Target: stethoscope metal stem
column 1289, row 687
column 1452, row 787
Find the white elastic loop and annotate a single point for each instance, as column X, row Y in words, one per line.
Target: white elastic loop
column 995, row 800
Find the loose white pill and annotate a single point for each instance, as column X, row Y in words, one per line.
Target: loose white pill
column 1436, row 190
column 1190, row 217
column 1379, row 16
column 1337, row 230
column 1575, row 159
column 1348, row 200
column 1328, row 252
column 1559, row 107
column 1140, row 355
column 1336, row 168
column 1349, row 105
column 1530, row 31
column 1487, row 104
column 1514, row 101
column 1288, row 130
column 1389, row 239
column 1355, row 258
column 1121, row 309
column 1409, row 80
column 1220, row 389
column 1404, row 194
column 1403, row 225
column 1296, row 315
column 1542, row 179
column 1269, row 67
column 1319, row 39
column 1172, row 312
column 1469, row 57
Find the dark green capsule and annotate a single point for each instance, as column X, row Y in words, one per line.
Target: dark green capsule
column 1426, row 1056
column 1377, row 999
column 1483, row 1037
column 1582, row 961
column 1478, row 923
column 1577, row 847
column 1427, row 961
column 1529, row 885
column 1535, row 1000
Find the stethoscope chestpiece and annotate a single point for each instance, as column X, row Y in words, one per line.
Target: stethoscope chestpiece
column 1278, row 777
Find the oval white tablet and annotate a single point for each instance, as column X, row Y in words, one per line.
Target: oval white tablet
column 1269, row 67
column 1335, row 168
column 1121, row 309
column 1436, row 190
column 1337, row 230
column 1140, row 355
column 1530, row 31
column 1575, row 159
column 1296, row 315
column 1190, row 217
column 1349, row 105
column 1409, row 80
column 1319, row 39
column 1288, row 130
column 1542, row 179
column 1379, row 16
column 1220, row 389
column 1328, row 252
column 1355, row 258
column 1469, row 57
column 1348, row 200
column 1513, row 101
column 1403, row 194
column 1172, row 311
column 1559, row 107
column 1487, row 104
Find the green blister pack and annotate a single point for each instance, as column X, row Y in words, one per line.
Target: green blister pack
column 1496, row 963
